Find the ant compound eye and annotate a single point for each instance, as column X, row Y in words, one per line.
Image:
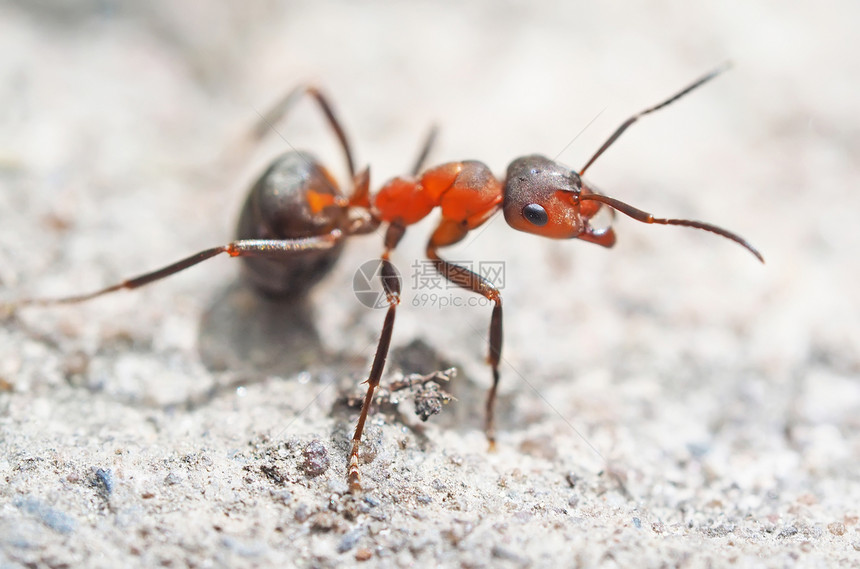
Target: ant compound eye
column 536, row 214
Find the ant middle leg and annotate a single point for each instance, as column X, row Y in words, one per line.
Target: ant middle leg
column 448, row 233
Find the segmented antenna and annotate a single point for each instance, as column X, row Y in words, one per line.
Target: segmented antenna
column 626, row 124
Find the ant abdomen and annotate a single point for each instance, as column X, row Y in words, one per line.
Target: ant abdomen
column 278, row 207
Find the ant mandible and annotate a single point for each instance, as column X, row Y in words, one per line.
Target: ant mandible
column 296, row 219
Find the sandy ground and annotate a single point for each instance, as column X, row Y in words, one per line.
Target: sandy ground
column 669, row 402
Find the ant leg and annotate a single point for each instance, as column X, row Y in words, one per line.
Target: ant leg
column 449, row 233
column 391, row 285
column 270, row 248
column 429, row 141
column 277, row 112
column 361, row 183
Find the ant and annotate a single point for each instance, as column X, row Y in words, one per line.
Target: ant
column 295, row 221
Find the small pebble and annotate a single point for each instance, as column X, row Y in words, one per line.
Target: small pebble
column 349, row 540
column 103, row 481
column 316, row 458
column 363, row 554
column 836, row 528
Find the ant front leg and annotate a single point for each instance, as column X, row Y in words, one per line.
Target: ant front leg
column 391, row 286
column 448, row 233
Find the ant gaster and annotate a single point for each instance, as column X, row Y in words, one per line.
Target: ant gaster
column 295, row 220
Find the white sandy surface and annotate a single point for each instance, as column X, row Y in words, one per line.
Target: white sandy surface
column 669, row 402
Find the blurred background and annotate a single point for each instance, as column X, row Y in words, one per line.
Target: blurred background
column 121, row 129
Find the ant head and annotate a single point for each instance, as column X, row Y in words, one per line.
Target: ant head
column 543, row 197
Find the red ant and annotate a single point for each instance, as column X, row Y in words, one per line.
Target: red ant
column 296, row 219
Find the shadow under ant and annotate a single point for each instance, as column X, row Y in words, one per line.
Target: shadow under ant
column 252, row 335
column 246, row 338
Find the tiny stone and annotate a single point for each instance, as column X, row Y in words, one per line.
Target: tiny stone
column 363, row 554
column 273, row 474
column 103, row 481
column 302, row 513
column 316, row 458
column 371, row 501
column 282, row 496
column 836, row 528
column 172, row 478
column 349, row 540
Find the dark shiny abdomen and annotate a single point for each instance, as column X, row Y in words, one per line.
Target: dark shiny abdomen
column 277, row 208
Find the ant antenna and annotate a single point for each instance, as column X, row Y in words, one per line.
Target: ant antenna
column 636, row 117
column 645, row 217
